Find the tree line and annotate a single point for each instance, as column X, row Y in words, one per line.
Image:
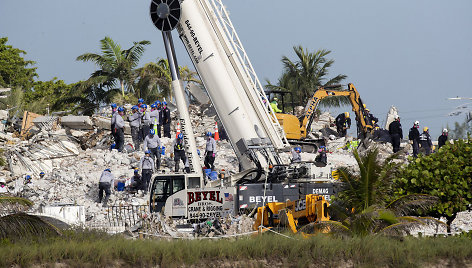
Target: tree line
column 117, row 79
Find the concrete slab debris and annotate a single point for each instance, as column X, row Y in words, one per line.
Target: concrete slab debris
column 77, row 122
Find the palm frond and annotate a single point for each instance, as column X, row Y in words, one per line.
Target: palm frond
column 331, row 226
column 410, row 203
column 21, row 225
column 13, row 200
column 111, row 50
column 399, row 229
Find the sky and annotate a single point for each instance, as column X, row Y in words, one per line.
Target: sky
column 410, row 54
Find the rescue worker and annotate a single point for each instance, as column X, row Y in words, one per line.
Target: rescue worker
column 140, row 102
column 154, row 116
column 114, row 112
column 136, row 181
column 443, row 138
column 321, row 159
column 135, row 124
column 274, row 105
column 414, row 137
column 166, row 119
column 104, row 184
column 42, row 174
column 210, row 151
column 147, row 166
column 153, row 144
column 371, row 119
column 145, row 121
column 27, row 180
column 343, row 122
column 159, row 125
column 425, row 141
column 3, row 186
column 396, row 132
column 178, row 147
column 296, row 156
column 120, row 131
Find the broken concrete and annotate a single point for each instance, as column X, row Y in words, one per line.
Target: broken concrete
column 77, row 122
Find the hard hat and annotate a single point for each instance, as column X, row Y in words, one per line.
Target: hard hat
column 113, row 105
column 164, row 103
column 367, row 110
column 377, row 128
column 425, row 129
column 180, row 136
column 346, row 114
column 2, row 180
column 298, row 149
column 28, row 177
column 136, row 171
column 364, row 105
column 417, row 123
column 144, row 106
column 154, row 105
column 135, row 107
column 152, row 131
column 121, row 109
column 208, row 133
column 158, row 102
column 140, row 101
column 445, row 130
column 42, row 173
column 396, row 117
column 147, row 152
column 275, row 99
column 107, row 169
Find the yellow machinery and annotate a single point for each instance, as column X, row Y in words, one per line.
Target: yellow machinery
column 294, row 214
column 296, row 129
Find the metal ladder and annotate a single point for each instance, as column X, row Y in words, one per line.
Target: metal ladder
column 235, row 43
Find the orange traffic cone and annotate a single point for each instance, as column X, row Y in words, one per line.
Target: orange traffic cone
column 217, row 136
column 177, row 130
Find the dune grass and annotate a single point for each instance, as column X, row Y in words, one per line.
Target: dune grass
column 84, row 248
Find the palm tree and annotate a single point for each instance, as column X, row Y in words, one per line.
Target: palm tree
column 364, row 206
column 86, row 97
column 155, row 79
column 15, row 224
column 115, row 64
column 303, row 76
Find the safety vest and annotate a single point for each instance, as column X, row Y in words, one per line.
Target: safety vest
column 178, row 146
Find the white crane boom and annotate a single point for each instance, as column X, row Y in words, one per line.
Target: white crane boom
column 236, row 94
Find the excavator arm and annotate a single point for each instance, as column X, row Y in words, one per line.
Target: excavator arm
column 335, row 90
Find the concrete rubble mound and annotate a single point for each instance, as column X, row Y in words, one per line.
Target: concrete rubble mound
column 73, row 151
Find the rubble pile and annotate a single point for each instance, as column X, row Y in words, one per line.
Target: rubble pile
column 74, row 152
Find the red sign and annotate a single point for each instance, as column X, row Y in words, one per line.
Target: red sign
column 204, row 196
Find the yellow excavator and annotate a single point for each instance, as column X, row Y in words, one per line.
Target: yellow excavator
column 298, row 129
column 295, row 214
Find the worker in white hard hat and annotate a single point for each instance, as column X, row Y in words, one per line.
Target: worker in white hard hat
column 425, row 141
column 443, row 138
column 414, row 137
column 274, row 105
column 396, row 132
column 343, row 122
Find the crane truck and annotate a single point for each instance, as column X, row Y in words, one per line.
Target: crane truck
column 256, row 136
